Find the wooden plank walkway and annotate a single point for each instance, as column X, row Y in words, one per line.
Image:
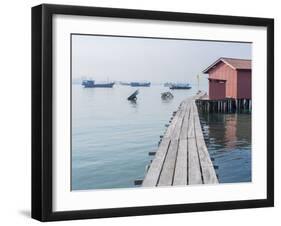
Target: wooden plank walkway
column 182, row 157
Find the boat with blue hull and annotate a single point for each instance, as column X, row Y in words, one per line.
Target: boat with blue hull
column 180, row 86
column 93, row 84
column 138, row 84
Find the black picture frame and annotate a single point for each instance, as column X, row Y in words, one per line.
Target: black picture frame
column 42, row 106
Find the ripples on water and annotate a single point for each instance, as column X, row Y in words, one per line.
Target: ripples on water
column 111, row 136
column 228, row 138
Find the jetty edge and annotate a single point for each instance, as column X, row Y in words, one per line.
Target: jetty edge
column 182, row 157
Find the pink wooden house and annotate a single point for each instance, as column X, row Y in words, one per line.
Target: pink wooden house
column 230, row 78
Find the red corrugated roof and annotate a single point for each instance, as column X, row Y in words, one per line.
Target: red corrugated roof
column 238, row 64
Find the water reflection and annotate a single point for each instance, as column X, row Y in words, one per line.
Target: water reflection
column 133, row 103
column 111, row 137
column 228, row 138
column 166, row 101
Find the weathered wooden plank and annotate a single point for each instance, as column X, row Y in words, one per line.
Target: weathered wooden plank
column 207, row 168
column 177, row 133
column 197, row 124
column 182, row 157
column 152, row 176
column 138, row 182
column 208, row 171
column 167, row 173
column 194, row 171
column 177, row 129
column 184, row 129
column 190, row 131
column 170, row 129
column 180, row 176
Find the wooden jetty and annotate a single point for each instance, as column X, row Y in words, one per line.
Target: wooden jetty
column 227, row 105
column 182, row 157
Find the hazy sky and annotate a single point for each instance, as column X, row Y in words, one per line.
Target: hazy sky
column 157, row 60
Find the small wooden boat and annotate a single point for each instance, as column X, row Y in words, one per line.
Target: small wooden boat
column 133, row 96
column 167, row 96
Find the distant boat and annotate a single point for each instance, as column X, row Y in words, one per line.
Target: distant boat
column 125, row 83
column 168, row 84
column 137, row 84
column 92, row 84
column 167, row 96
column 180, row 86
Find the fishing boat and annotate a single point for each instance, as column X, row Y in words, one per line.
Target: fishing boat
column 167, row 96
column 125, row 83
column 137, row 84
column 180, row 86
column 92, row 84
column 133, row 96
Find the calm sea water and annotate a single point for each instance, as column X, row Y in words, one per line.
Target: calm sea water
column 111, row 136
column 228, row 138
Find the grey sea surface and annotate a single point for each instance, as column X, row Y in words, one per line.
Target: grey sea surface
column 228, row 139
column 111, row 136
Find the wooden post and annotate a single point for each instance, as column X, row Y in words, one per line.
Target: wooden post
column 238, row 106
column 250, row 105
column 228, row 106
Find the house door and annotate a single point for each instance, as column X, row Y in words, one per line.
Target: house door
column 217, row 89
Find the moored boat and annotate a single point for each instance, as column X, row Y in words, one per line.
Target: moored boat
column 133, row 96
column 180, row 86
column 167, row 96
column 137, row 84
column 125, row 83
column 92, row 84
